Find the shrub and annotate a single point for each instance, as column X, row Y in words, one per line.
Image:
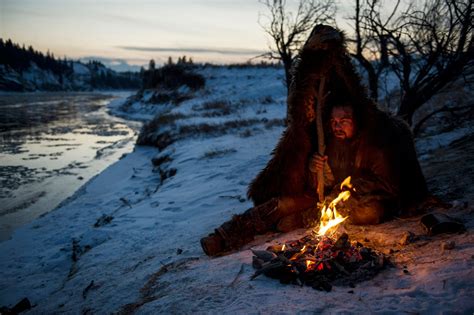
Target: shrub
column 276, row 122
column 169, row 97
column 214, row 108
column 217, row 153
column 172, row 77
column 158, row 160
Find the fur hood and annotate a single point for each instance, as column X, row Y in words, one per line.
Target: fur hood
column 324, row 54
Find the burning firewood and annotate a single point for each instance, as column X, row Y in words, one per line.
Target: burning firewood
column 319, row 259
column 264, row 255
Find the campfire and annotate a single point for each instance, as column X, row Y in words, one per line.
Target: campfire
column 322, row 257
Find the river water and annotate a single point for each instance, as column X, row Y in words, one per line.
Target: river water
column 50, row 145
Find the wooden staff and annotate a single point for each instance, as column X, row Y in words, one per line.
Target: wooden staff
column 320, row 98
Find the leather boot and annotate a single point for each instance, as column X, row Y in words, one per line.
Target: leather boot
column 241, row 229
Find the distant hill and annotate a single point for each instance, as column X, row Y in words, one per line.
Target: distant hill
column 25, row 69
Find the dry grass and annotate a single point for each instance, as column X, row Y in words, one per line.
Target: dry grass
column 215, row 153
column 173, row 96
column 159, row 160
column 215, row 108
column 276, row 122
column 216, row 105
column 162, row 120
column 242, row 127
column 267, row 100
column 215, row 129
column 246, row 133
column 155, row 124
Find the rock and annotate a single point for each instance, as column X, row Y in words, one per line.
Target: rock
column 21, row 306
column 103, row 220
column 437, row 223
column 448, row 245
column 460, row 204
column 407, row 238
column 342, row 241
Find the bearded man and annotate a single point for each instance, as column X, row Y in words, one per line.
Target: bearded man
column 363, row 142
column 373, row 167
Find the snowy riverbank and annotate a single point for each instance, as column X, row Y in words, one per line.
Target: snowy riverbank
column 51, row 144
column 128, row 241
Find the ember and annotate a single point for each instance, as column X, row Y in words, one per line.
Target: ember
column 319, row 259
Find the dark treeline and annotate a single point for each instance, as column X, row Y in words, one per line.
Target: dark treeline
column 101, row 77
column 20, row 58
column 181, row 72
column 172, row 75
column 256, row 62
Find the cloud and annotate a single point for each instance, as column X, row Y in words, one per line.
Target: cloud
column 199, row 50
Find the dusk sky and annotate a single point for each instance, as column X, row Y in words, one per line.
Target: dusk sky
column 218, row 31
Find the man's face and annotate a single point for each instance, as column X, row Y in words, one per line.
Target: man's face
column 342, row 122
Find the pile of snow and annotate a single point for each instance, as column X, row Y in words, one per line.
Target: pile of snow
column 129, row 239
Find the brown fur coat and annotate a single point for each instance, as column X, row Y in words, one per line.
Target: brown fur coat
column 287, row 174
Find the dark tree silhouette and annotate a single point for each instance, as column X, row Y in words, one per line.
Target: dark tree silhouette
column 151, row 65
column 20, row 58
column 427, row 44
column 288, row 29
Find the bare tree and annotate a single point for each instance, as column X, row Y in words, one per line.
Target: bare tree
column 427, row 45
column 370, row 45
column 288, row 29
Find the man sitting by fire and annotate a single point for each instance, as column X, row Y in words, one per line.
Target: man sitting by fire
column 363, row 142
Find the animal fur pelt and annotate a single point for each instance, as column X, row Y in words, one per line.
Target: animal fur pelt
column 286, row 174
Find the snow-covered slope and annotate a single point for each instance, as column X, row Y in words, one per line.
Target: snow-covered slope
column 128, row 241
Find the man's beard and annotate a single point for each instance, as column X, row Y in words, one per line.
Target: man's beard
column 342, row 157
column 342, row 141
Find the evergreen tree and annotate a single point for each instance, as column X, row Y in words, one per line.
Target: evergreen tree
column 20, row 58
column 151, row 65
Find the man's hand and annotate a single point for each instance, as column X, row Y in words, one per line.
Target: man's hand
column 317, row 162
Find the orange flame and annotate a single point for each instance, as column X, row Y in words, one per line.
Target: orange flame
column 330, row 218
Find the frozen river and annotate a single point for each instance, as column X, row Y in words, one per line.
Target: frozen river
column 50, row 145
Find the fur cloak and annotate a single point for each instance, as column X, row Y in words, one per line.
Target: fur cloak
column 287, row 174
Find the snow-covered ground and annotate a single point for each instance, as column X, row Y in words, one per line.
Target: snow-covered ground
column 143, row 254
